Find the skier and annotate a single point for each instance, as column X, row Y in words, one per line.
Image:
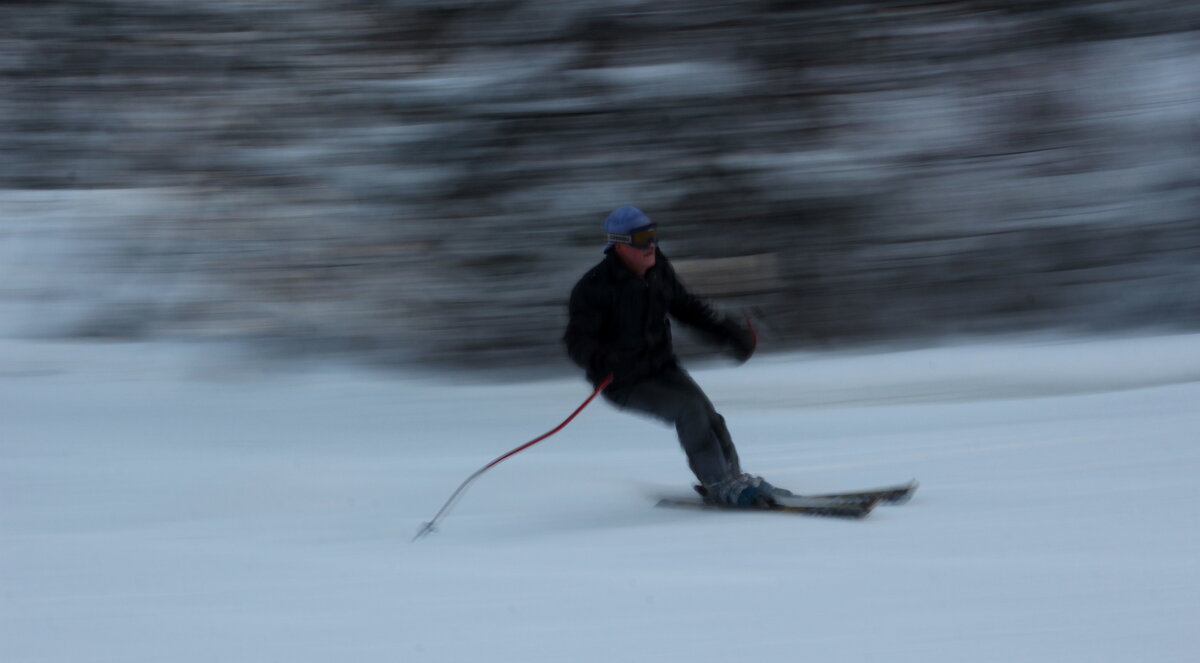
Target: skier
column 618, row 326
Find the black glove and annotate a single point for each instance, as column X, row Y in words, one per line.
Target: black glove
column 615, row 364
column 742, row 341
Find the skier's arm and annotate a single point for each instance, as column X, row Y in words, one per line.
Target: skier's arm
column 723, row 330
column 585, row 319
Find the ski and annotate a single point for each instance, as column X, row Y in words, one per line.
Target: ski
column 801, row 506
column 889, row 495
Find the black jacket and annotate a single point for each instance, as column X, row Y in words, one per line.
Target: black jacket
column 618, row 322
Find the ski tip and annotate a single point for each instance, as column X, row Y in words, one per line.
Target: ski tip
column 908, row 493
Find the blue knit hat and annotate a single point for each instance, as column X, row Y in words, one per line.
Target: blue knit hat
column 623, row 221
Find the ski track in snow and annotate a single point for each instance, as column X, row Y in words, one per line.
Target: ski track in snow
column 167, row 504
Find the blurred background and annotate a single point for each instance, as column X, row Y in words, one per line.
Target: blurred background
column 421, row 182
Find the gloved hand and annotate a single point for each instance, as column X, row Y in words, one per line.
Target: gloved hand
column 616, row 364
column 742, row 341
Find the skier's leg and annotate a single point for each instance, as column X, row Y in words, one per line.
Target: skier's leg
column 715, row 421
column 674, row 398
column 726, row 441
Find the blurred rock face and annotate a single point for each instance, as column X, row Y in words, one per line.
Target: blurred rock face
column 424, row 180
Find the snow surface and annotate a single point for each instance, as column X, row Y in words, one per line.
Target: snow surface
column 159, row 504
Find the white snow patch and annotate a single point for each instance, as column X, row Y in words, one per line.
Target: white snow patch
column 158, row 505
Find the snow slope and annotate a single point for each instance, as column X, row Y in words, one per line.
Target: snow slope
column 159, row 504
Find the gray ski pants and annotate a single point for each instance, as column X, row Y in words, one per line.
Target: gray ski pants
column 674, row 398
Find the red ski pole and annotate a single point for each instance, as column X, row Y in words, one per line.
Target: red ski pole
column 426, row 528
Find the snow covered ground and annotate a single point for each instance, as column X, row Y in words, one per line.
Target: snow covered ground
column 159, row 504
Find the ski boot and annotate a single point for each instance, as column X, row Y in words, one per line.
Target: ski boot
column 742, row 490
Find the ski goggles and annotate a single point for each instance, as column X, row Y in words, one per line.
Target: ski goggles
column 638, row 238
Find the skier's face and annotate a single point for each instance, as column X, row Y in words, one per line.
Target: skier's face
column 638, row 260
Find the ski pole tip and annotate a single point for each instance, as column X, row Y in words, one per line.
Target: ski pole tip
column 426, row 528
